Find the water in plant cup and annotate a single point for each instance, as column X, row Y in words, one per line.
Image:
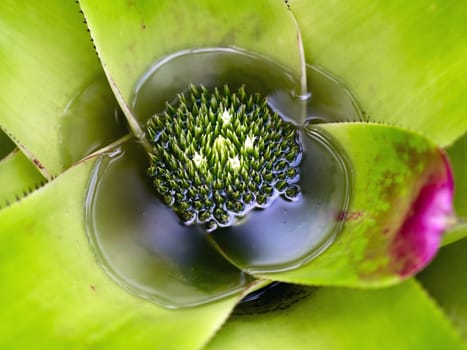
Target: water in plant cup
column 181, row 241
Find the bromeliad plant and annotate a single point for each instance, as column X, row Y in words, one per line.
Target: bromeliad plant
column 402, row 61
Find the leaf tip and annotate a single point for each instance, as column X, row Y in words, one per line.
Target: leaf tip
column 431, row 213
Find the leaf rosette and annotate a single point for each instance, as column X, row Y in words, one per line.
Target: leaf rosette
column 398, row 160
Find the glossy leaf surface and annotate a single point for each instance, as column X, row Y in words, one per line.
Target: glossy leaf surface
column 59, row 297
column 41, row 70
column 400, row 317
column 403, row 61
column 401, row 197
column 142, row 32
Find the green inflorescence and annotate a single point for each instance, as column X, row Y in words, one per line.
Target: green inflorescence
column 219, row 154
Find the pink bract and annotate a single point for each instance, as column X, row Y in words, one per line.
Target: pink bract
column 419, row 237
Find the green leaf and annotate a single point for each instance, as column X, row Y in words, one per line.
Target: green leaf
column 6, row 145
column 457, row 154
column 400, row 317
column 454, row 234
column 90, row 121
column 18, row 177
column 446, row 280
column 402, row 60
column 391, row 170
column 46, row 58
column 56, row 296
column 130, row 36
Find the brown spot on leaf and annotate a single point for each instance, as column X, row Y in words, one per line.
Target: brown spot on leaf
column 345, row 215
column 412, row 156
column 38, row 163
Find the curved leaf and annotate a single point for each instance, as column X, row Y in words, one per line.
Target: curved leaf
column 400, row 317
column 446, row 281
column 59, row 297
column 90, row 121
column 404, row 61
column 46, row 57
column 400, row 203
column 18, row 177
column 132, row 35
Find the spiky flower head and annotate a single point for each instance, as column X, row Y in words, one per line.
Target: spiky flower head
column 219, row 154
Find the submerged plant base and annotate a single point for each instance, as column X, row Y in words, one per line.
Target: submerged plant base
column 220, row 154
column 276, row 296
column 144, row 244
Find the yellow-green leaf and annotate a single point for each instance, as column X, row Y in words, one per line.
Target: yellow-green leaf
column 57, row 296
column 404, row 61
column 400, row 317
